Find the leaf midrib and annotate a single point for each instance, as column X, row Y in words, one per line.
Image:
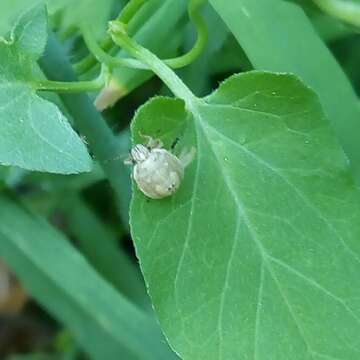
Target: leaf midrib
column 189, row 227
column 204, row 127
column 262, row 251
column 200, row 125
column 301, row 195
column 315, row 209
column 44, row 139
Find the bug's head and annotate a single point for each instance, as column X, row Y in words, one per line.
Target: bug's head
column 139, row 153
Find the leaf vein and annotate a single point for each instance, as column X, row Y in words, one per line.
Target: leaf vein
column 300, row 194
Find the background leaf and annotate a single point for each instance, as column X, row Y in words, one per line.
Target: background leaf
column 68, row 16
column 257, row 255
column 87, row 11
column 104, row 323
column 252, row 23
column 100, row 247
column 34, row 133
column 30, row 32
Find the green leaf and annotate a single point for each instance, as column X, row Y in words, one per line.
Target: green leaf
column 65, row 14
column 9, row 11
column 30, row 32
column 301, row 52
column 91, row 12
column 257, row 256
column 34, row 133
column 59, row 277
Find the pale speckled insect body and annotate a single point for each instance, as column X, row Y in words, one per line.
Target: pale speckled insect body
column 159, row 175
column 157, row 172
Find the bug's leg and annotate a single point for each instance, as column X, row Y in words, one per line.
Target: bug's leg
column 126, row 159
column 187, row 156
column 174, row 143
column 129, row 160
column 155, row 144
column 151, row 142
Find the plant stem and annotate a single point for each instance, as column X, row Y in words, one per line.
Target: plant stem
column 72, row 86
column 346, row 11
column 201, row 41
column 167, row 75
column 130, row 10
column 104, row 57
column 89, row 61
column 125, row 16
column 69, row 87
column 89, row 121
column 99, row 52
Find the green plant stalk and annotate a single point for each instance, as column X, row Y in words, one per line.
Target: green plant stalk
column 201, row 41
column 100, row 138
column 90, row 60
column 167, row 75
column 69, row 86
column 124, row 80
column 143, row 15
column 175, row 63
column 348, row 12
column 73, row 86
column 104, row 57
column 126, row 15
column 130, row 9
column 168, row 22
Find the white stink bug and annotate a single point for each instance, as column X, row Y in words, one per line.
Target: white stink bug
column 157, row 172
